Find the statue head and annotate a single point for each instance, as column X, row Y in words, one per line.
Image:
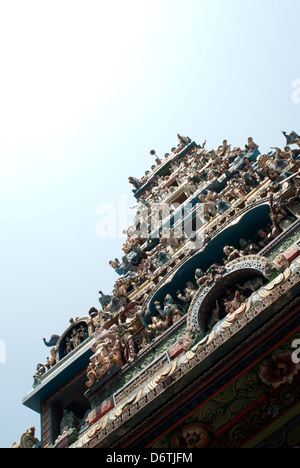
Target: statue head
column 169, row 299
column 227, row 250
column 199, row 273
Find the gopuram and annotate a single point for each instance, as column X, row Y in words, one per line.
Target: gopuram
column 198, row 344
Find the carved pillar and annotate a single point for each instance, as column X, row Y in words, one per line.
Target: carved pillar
column 46, row 426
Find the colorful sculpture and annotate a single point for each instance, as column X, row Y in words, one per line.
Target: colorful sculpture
column 171, row 310
column 108, row 353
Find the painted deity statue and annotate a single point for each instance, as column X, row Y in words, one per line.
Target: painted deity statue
column 40, row 371
column 171, row 309
column 158, row 326
column 231, row 253
column 125, row 321
column 234, row 304
column 200, row 276
column 188, row 294
column 108, row 352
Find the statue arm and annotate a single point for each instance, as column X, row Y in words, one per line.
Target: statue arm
column 159, row 310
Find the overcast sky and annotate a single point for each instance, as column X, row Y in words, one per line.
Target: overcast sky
column 87, row 89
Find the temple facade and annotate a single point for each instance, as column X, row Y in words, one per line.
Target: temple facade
column 198, row 344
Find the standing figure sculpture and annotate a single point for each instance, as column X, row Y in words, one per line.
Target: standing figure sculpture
column 187, row 296
column 128, row 331
column 170, row 310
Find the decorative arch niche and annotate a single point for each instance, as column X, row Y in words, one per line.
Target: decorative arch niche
column 244, row 224
column 252, row 269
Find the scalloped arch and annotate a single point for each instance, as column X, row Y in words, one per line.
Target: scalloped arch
column 245, row 264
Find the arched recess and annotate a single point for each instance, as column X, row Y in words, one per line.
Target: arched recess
column 79, row 331
column 244, row 225
column 253, row 270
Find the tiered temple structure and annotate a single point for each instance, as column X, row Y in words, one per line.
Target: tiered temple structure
column 198, row 343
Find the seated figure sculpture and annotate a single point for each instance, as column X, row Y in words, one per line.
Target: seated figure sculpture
column 200, row 277
column 135, row 182
column 40, row 371
column 224, row 148
column 248, row 247
column 234, row 304
column 231, row 253
column 158, row 326
column 251, row 146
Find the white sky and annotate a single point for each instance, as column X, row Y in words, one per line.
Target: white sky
column 60, row 60
column 87, row 89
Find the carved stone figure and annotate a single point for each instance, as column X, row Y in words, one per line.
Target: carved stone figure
column 28, row 440
column 233, row 305
column 69, row 347
column 200, row 277
column 115, row 264
column 282, row 263
column 104, row 299
column 264, row 237
column 251, row 146
column 231, row 253
column 170, row 310
column 182, row 143
column 224, row 148
column 83, row 333
column 209, row 206
column 40, row 371
column 186, row 342
column 122, row 286
column 108, row 352
column 116, row 305
column 68, row 421
column 97, row 370
column 275, row 216
column 52, row 342
column 215, row 272
column 189, row 293
column 51, row 362
column 158, row 326
column 135, row 182
column 127, row 265
column 295, row 196
column 75, row 339
column 248, row 247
